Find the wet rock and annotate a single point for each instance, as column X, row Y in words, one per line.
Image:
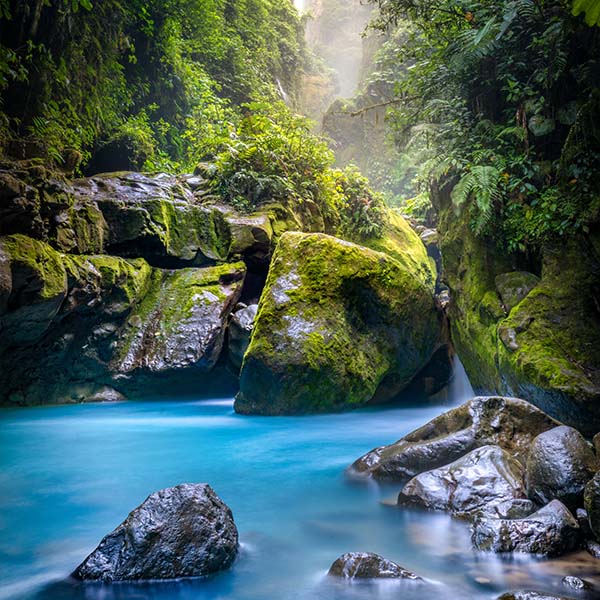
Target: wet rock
column 513, row 287
column 591, row 499
column 584, row 522
column 486, row 481
column 593, row 548
column 366, row 565
column 183, row 531
column 509, row 423
column 181, row 322
column 551, row 531
column 338, row 326
column 559, row 465
column 576, row 583
column 526, row 595
column 240, row 329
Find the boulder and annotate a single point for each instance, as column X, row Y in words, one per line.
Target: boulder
column 559, row 465
column 514, row 286
column 240, row 330
column 509, row 423
column 551, row 531
column 527, row 595
column 183, row 531
column 366, row 565
column 338, row 326
column 591, row 499
column 181, row 322
column 486, row 481
column 576, row 583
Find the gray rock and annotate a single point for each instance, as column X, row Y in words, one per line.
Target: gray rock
column 593, row 548
column 526, row 595
column 182, row 321
column 559, row 465
column 240, row 330
column 486, row 481
column 183, row 531
column 591, row 500
column 551, row 531
column 513, row 287
column 509, row 423
column 366, row 565
column 576, row 583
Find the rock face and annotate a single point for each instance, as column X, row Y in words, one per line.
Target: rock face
column 527, row 595
column 559, row 465
column 514, row 287
column 543, row 348
column 550, row 531
column 96, row 321
column 485, row 481
column 509, row 423
column 366, row 565
column 183, row 531
column 338, row 326
column 592, row 504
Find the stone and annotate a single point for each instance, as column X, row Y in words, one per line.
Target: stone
column 593, row 548
column 240, row 330
column 510, row 423
column 338, row 326
column 514, row 286
column 182, row 531
column 591, row 501
column 486, row 481
column 366, row 565
column 559, row 465
column 576, row 583
column 551, row 531
column 181, row 322
column 527, row 595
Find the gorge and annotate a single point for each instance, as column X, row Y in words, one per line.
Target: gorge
column 199, row 285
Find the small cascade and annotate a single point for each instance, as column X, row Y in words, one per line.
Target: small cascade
column 460, row 389
column 282, row 92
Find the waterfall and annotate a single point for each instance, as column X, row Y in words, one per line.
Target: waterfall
column 460, row 389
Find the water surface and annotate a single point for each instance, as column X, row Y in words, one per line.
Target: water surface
column 70, row 474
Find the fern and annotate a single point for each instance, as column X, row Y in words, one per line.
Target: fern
column 482, row 184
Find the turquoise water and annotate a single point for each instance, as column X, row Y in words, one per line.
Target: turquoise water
column 70, row 474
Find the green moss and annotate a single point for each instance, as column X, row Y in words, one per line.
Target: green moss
column 401, row 242
column 334, row 319
column 39, row 262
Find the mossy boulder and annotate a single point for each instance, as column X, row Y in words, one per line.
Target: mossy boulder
column 34, row 285
column 537, row 340
column 338, row 326
column 182, row 320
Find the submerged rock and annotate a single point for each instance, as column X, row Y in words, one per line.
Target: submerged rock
column 592, row 504
column 559, row 465
column 338, row 326
column 366, row 565
column 509, row 423
column 551, row 531
column 183, row 531
column 486, row 481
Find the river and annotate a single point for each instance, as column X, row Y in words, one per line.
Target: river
column 70, row 474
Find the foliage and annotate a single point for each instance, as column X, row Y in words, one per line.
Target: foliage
column 76, row 73
column 503, row 95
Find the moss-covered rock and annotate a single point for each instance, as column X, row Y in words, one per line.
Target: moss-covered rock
column 182, row 320
column 537, row 340
column 338, row 325
column 33, row 289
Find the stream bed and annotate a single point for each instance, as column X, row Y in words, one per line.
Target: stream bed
column 70, row 474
